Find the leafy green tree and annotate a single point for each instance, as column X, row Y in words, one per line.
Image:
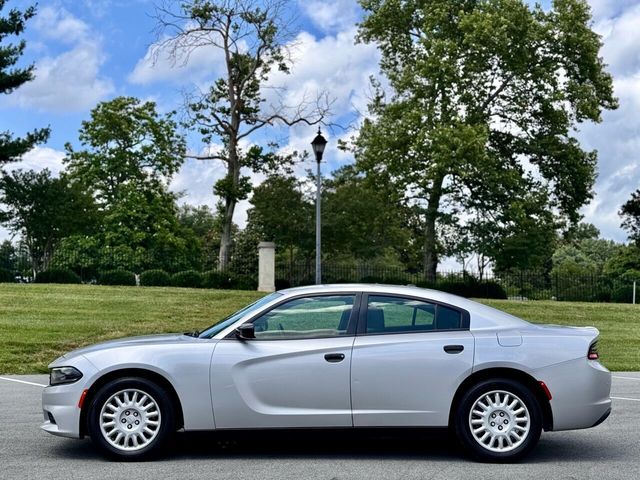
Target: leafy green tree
column 582, row 231
column 130, row 155
column 280, row 213
column 126, row 144
column 624, row 264
column 252, row 37
column 483, row 92
column 8, row 255
column 586, row 257
column 630, row 213
column 11, row 148
column 363, row 218
column 43, row 210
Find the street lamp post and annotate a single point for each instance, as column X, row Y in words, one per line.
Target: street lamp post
column 318, row 145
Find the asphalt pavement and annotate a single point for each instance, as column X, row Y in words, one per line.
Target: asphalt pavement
column 609, row 451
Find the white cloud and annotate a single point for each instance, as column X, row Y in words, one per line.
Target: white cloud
column 617, row 138
column 59, row 24
column 607, row 9
column 333, row 15
column 69, row 81
column 38, row 159
column 161, row 65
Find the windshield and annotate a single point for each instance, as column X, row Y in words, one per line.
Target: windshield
column 234, row 317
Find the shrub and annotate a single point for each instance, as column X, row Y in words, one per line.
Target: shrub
column 117, row 277
column 491, row 289
column 187, row 279
column 282, row 283
column 6, row 276
column 57, row 275
column 623, row 294
column 471, row 287
column 216, row 279
column 243, row 281
column 155, row 278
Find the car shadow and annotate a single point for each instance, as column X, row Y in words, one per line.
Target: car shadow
column 374, row 444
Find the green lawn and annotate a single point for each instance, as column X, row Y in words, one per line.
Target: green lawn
column 40, row 322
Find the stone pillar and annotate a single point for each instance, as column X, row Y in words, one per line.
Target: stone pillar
column 266, row 267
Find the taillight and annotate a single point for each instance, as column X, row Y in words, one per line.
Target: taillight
column 593, row 351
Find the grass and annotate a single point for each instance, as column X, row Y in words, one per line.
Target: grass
column 40, row 322
column 619, row 325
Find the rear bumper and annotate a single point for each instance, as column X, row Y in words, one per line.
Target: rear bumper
column 581, row 391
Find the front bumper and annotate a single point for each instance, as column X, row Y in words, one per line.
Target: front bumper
column 60, row 403
column 581, row 391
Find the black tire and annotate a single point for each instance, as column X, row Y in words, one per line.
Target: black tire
column 166, row 418
column 463, row 416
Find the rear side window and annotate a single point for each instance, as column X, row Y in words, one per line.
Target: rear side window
column 399, row 315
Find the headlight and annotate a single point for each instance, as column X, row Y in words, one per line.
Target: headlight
column 62, row 375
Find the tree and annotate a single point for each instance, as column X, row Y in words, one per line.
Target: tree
column 582, row 231
column 44, row 209
column 252, row 36
column 624, row 265
column 586, row 257
column 12, row 149
column 362, row 218
column 280, row 212
column 130, row 155
column 126, row 144
column 630, row 213
column 483, row 92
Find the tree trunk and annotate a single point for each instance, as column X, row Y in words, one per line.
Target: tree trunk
column 430, row 265
column 224, row 255
column 230, row 201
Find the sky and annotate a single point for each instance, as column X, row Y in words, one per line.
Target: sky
column 87, row 51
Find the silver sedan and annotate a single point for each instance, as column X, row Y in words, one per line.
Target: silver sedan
column 337, row 356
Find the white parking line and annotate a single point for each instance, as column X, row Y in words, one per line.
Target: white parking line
column 624, row 398
column 22, row 381
column 626, row 378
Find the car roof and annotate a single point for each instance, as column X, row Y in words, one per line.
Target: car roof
column 482, row 316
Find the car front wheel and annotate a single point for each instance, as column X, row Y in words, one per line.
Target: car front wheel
column 498, row 420
column 130, row 418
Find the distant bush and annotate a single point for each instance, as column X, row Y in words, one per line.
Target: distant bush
column 243, row 282
column 187, row 279
column 468, row 287
column 117, row 277
column 216, row 279
column 384, row 280
column 155, row 278
column 57, row 275
column 622, row 294
column 282, row 283
column 6, row 276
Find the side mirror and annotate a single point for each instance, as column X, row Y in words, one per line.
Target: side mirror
column 246, row 331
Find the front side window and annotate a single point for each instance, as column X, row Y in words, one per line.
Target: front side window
column 399, row 315
column 309, row 317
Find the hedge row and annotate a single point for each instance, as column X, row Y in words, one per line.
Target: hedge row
column 195, row 279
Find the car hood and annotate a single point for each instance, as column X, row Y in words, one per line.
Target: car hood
column 165, row 339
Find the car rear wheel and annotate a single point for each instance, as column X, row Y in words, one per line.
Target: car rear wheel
column 498, row 420
column 130, row 418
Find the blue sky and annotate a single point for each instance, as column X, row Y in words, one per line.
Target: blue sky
column 86, row 51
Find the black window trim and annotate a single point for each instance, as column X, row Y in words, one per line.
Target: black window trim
column 361, row 329
column 351, row 325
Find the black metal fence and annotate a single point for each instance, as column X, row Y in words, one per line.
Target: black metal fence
column 559, row 286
